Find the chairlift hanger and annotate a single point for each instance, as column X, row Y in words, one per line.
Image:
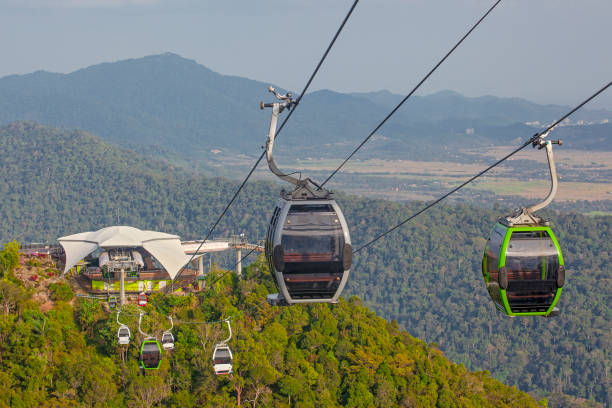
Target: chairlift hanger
column 308, row 245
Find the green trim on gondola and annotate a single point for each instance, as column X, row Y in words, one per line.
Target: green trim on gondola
column 160, row 354
column 505, row 305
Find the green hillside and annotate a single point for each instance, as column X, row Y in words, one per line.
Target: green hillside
column 425, row 276
column 316, row 356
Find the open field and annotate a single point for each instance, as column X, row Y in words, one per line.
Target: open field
column 582, row 159
column 583, row 175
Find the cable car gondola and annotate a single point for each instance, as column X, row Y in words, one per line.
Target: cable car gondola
column 123, row 333
column 523, row 264
column 150, row 350
column 112, row 302
column 308, row 245
column 150, row 354
column 142, row 299
column 222, row 359
column 167, row 339
column 222, row 355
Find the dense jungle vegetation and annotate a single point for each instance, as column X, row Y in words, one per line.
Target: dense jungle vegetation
column 426, row 275
column 316, row 356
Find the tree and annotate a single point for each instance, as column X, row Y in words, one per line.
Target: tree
column 9, row 258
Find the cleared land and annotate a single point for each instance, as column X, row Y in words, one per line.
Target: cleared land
column 584, row 175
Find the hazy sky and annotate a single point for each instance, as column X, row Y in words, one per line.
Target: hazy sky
column 548, row 51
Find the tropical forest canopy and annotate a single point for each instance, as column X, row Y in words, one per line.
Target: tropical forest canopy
column 426, row 275
column 62, row 352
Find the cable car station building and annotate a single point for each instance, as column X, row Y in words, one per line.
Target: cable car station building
column 121, row 256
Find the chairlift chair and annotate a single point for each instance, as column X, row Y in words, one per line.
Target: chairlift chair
column 308, row 245
column 523, row 264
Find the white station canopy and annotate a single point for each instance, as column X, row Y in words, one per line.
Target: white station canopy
column 166, row 248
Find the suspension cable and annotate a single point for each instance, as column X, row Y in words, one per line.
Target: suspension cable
column 527, row 143
column 297, row 102
column 411, row 92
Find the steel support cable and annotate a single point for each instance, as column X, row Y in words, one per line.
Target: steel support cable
column 527, row 143
column 230, row 318
column 297, row 102
column 411, row 92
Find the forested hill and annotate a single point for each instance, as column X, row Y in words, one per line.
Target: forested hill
column 425, row 275
column 166, row 103
column 66, row 355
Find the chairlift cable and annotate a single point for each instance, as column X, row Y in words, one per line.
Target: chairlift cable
column 314, row 73
column 527, row 143
column 411, row 92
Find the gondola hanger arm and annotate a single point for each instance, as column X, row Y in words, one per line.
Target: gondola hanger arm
column 139, row 328
column 286, row 101
column 540, row 143
column 305, row 188
column 229, row 327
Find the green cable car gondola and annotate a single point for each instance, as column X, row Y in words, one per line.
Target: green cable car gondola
column 150, row 354
column 150, row 349
column 523, row 264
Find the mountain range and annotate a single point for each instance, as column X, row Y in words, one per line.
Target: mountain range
column 173, row 107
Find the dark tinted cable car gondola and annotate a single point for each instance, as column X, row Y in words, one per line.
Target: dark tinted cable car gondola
column 523, row 264
column 222, row 355
column 308, row 246
column 150, row 350
column 150, row 354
